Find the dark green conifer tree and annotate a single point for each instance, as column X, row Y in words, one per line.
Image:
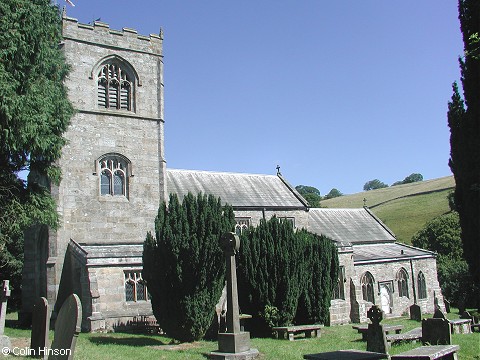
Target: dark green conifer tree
column 183, row 264
column 464, row 122
column 34, row 114
column 276, row 264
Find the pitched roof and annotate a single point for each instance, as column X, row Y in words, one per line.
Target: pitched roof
column 367, row 253
column 237, row 189
column 354, row 226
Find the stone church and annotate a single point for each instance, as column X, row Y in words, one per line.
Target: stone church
column 115, row 176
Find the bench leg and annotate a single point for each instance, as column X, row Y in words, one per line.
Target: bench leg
column 290, row 336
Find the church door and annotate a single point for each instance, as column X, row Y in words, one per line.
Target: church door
column 386, row 298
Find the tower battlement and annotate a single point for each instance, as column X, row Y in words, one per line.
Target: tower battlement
column 100, row 34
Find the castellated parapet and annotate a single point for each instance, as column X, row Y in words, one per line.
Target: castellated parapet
column 126, row 39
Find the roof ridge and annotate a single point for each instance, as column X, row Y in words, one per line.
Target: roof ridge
column 220, row 172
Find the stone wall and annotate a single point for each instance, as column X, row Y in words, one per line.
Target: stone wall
column 87, row 216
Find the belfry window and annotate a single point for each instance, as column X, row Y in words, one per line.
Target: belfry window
column 367, row 287
column 114, row 173
column 402, row 281
column 135, row 287
column 115, row 87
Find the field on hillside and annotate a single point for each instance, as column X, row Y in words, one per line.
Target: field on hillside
column 404, row 208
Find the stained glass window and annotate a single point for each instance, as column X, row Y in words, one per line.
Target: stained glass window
column 402, row 281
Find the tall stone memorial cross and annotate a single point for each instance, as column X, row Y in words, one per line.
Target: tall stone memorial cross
column 4, row 295
column 232, row 344
column 376, row 340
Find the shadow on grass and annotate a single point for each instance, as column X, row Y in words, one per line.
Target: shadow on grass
column 126, row 341
column 15, row 324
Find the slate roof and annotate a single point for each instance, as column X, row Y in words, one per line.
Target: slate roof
column 107, row 254
column 237, row 189
column 367, row 253
column 354, row 226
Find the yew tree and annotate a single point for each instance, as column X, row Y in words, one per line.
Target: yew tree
column 34, row 114
column 464, row 123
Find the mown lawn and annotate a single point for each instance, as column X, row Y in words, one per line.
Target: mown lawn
column 117, row 346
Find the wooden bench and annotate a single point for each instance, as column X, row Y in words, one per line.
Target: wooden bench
column 409, row 336
column 290, row 332
column 445, row 352
column 363, row 329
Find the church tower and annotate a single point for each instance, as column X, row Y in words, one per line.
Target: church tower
column 113, row 176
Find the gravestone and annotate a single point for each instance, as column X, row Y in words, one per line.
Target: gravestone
column 376, row 339
column 4, row 295
column 447, row 305
column 40, row 327
column 415, row 313
column 436, row 331
column 233, row 343
column 438, row 314
column 67, row 328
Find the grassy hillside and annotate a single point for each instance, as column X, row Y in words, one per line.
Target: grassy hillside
column 404, row 208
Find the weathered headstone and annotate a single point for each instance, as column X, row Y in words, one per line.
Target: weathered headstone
column 40, row 327
column 233, row 343
column 376, row 339
column 4, row 295
column 438, row 314
column 415, row 313
column 447, row 305
column 436, row 331
column 67, row 328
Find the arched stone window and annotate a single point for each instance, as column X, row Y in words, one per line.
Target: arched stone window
column 114, row 173
column 367, row 282
column 422, row 286
column 402, row 281
column 115, row 85
column 135, row 286
column 241, row 224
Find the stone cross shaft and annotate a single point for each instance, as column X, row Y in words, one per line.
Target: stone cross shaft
column 230, row 244
column 4, row 295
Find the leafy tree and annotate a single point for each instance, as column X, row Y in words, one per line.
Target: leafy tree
column 442, row 235
column 34, row 113
column 409, row 179
column 311, row 194
column 464, row 123
column 333, row 194
column 374, row 184
column 277, row 267
column 413, row 178
column 183, row 264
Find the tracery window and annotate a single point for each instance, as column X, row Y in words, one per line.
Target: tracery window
column 241, row 224
column 115, row 87
column 114, row 172
column 135, row 286
column 422, row 286
column 367, row 287
column 339, row 290
column 402, row 281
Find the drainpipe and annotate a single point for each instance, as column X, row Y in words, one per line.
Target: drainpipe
column 413, row 283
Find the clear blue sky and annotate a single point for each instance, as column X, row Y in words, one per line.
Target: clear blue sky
column 335, row 92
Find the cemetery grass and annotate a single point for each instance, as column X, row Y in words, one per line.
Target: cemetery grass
column 117, row 346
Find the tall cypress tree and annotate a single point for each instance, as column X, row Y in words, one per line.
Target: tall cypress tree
column 464, row 123
column 183, row 264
